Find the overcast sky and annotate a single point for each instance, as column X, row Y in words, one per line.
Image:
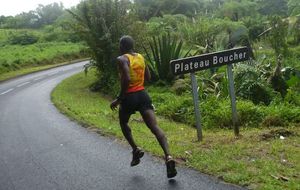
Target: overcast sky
column 14, row 7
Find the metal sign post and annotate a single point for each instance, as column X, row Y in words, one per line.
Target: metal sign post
column 196, row 106
column 206, row 61
column 233, row 100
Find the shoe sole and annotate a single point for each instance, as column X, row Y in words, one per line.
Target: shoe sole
column 171, row 170
column 140, row 155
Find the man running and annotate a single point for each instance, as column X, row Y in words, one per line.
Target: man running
column 133, row 97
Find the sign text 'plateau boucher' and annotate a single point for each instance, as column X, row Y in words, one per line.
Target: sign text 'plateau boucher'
column 206, row 61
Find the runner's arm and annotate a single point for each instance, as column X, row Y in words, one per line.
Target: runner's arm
column 147, row 74
column 123, row 65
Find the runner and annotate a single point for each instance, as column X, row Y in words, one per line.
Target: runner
column 133, row 97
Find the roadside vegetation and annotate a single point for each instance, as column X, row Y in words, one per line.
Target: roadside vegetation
column 188, row 28
column 37, row 40
column 265, row 156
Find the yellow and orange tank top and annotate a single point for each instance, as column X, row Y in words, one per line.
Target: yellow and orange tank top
column 137, row 72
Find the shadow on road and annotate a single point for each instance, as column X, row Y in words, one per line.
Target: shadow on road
column 173, row 184
column 139, row 182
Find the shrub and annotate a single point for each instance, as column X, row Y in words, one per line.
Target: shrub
column 216, row 112
column 289, row 113
column 292, row 97
column 23, row 38
column 219, row 116
column 249, row 114
column 180, row 86
column 250, row 85
column 177, row 108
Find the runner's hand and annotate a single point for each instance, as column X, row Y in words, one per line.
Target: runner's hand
column 114, row 104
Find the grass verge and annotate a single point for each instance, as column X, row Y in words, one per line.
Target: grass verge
column 32, row 69
column 257, row 160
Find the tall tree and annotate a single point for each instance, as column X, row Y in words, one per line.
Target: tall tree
column 273, row 7
column 27, row 20
column 235, row 10
column 293, row 7
column 154, row 8
column 211, row 6
column 49, row 13
column 278, row 35
column 43, row 15
column 2, row 20
column 147, row 8
column 101, row 23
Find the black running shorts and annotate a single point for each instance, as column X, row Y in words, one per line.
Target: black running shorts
column 136, row 101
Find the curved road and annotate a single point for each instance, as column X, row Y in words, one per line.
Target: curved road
column 41, row 149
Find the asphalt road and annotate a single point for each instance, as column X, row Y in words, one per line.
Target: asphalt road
column 41, row 149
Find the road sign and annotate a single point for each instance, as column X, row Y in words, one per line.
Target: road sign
column 206, row 61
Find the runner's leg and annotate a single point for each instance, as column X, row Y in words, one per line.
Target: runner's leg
column 124, row 118
column 150, row 120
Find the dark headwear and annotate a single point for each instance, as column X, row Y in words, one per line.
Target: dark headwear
column 126, row 43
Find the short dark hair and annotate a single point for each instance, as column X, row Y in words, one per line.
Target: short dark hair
column 127, row 43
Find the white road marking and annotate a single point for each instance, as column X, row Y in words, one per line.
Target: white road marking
column 53, row 73
column 23, row 84
column 7, row 91
column 76, row 67
column 38, row 78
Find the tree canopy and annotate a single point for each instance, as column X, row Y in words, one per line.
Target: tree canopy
column 41, row 16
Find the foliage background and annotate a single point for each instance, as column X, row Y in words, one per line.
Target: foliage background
column 267, row 86
column 166, row 30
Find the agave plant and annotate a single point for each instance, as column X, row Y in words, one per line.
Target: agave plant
column 163, row 49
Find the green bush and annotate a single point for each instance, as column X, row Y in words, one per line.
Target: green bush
column 250, row 114
column 216, row 112
column 293, row 57
column 292, row 97
column 251, row 85
column 180, row 86
column 288, row 112
column 24, row 38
